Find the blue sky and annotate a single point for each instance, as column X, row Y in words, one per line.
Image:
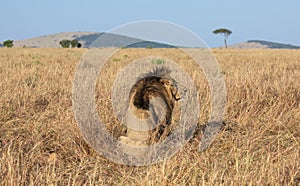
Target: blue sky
column 271, row 20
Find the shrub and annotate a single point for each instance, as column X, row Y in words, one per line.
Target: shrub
column 8, row 43
column 65, row 43
column 74, row 43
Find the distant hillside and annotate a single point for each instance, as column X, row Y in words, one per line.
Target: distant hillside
column 49, row 41
column 106, row 40
column 87, row 39
column 263, row 44
column 274, row 44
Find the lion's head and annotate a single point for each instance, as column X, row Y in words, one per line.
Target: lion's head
column 157, row 83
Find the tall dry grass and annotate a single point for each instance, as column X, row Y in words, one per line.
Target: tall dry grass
column 40, row 143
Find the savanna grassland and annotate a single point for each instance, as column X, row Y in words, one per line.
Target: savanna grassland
column 40, row 143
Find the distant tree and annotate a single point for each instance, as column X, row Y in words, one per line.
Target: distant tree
column 65, row 43
column 74, row 43
column 225, row 32
column 8, row 43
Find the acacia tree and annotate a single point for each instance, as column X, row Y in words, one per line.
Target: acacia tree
column 225, row 32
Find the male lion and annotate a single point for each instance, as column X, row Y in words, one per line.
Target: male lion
column 151, row 102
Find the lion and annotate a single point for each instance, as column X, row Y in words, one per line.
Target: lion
column 151, row 103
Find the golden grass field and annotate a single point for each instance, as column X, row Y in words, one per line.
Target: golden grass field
column 40, row 143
